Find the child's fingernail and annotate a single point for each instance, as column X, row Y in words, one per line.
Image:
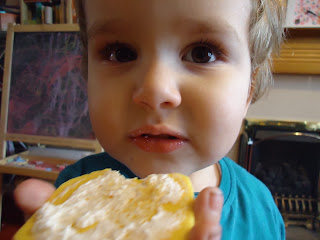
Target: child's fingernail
column 212, row 237
column 216, row 235
column 214, row 197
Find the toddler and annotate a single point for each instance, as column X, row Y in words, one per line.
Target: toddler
column 169, row 85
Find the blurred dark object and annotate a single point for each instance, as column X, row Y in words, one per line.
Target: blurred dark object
column 15, row 147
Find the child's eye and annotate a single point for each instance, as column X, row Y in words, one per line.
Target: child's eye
column 202, row 52
column 118, row 52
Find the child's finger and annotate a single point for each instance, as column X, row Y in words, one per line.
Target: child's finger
column 31, row 194
column 208, row 207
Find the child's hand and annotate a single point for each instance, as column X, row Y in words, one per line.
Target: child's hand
column 31, row 194
column 208, row 207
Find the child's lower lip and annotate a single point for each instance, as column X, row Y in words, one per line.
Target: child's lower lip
column 158, row 145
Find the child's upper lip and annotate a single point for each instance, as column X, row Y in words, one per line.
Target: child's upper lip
column 155, row 130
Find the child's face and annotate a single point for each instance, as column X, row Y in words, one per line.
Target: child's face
column 179, row 69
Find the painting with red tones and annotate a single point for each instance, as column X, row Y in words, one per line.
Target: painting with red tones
column 48, row 95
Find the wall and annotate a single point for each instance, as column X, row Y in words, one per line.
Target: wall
column 293, row 97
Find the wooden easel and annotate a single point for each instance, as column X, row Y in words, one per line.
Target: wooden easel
column 80, row 144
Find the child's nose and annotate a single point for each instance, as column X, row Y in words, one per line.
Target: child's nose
column 158, row 89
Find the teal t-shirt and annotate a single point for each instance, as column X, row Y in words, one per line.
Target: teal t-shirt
column 249, row 211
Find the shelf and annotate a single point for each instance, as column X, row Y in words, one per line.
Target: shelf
column 46, row 169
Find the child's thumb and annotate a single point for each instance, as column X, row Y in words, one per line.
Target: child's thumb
column 31, row 194
column 207, row 210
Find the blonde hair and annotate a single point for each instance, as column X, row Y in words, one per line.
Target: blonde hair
column 266, row 32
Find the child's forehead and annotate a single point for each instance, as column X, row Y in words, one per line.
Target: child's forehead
column 198, row 16
column 151, row 9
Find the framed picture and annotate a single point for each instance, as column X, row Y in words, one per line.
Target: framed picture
column 303, row 14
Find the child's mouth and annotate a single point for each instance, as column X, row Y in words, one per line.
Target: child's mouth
column 161, row 136
column 157, row 138
column 158, row 143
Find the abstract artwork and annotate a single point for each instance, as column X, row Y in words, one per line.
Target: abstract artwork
column 48, row 95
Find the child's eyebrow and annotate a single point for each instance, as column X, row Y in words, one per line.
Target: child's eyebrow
column 110, row 26
column 201, row 27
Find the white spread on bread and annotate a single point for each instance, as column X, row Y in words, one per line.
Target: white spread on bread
column 99, row 209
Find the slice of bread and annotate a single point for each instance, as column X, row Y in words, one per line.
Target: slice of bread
column 106, row 205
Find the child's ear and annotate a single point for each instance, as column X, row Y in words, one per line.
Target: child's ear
column 252, row 86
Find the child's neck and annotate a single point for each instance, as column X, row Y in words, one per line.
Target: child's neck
column 206, row 177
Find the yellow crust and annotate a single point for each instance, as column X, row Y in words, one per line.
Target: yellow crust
column 25, row 232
